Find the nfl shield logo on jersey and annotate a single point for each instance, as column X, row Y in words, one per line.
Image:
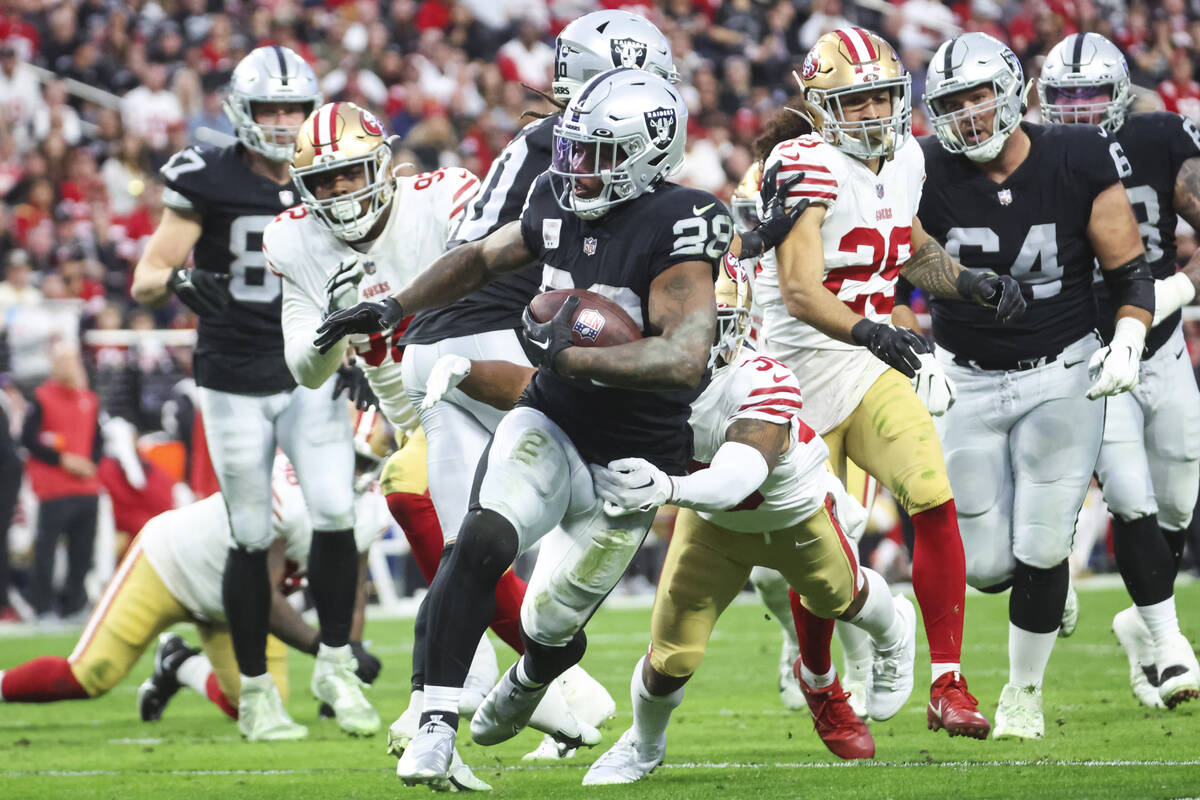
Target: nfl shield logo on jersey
column 589, row 246
column 660, row 124
column 1005, row 196
column 589, row 324
column 286, row 198
column 879, row 189
column 369, row 267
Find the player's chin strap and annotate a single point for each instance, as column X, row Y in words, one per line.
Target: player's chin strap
column 1025, row 96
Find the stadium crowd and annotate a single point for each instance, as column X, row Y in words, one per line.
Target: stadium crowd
column 96, row 95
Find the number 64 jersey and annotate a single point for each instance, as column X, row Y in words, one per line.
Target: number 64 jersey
column 866, row 239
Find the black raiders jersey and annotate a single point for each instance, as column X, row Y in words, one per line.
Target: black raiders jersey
column 1032, row 226
column 499, row 304
column 619, row 256
column 241, row 350
column 1155, row 146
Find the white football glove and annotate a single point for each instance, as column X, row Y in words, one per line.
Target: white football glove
column 447, row 373
column 934, row 386
column 1114, row 369
column 341, row 289
column 631, row 484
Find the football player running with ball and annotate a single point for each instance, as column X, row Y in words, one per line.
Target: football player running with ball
column 827, row 292
column 1039, row 204
column 1149, row 465
column 604, row 217
column 218, row 201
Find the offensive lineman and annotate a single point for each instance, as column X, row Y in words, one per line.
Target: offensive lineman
column 827, row 292
column 1149, row 465
column 218, row 201
column 603, row 217
column 1039, row 204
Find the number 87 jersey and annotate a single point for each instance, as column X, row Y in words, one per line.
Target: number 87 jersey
column 866, row 239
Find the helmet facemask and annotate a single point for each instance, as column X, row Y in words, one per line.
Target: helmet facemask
column 579, row 155
column 350, row 216
column 953, row 127
column 275, row 142
column 732, row 291
column 865, row 139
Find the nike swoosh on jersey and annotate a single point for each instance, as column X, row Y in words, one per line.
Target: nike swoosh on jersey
column 779, row 378
column 701, row 210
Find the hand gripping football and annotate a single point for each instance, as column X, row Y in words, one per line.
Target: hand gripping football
column 598, row 321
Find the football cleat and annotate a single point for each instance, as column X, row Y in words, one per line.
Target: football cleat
column 163, row 683
column 334, row 682
column 789, row 685
column 1134, row 638
column 892, row 669
column 402, row 731
column 587, row 698
column 462, row 778
column 428, row 757
column 261, row 715
column 835, row 721
column 1070, row 615
column 625, row 762
column 1178, row 673
column 509, row 707
column 1019, row 713
column 954, row 708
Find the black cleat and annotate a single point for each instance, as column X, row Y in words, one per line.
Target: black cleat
column 161, row 686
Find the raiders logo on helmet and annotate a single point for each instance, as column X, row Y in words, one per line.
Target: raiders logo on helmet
column 629, row 53
column 660, row 123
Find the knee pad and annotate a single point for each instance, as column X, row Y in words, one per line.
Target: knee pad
column 486, row 547
column 677, row 663
column 977, row 480
column 526, row 483
column 991, row 571
column 1128, row 491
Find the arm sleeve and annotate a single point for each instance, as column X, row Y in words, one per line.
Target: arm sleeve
column 735, row 472
column 30, row 436
column 301, row 317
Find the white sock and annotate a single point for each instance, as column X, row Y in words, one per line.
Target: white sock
column 940, row 668
column 193, row 673
column 1161, row 620
column 651, row 714
column 441, row 698
column 340, row 653
column 773, row 591
column 416, row 701
column 1028, row 653
column 878, row 616
column 523, row 676
column 816, row 681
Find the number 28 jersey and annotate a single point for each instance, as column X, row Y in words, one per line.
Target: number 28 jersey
column 241, row 349
column 866, row 238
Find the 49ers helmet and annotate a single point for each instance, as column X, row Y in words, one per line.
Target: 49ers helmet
column 272, row 74
column 336, row 137
column 846, row 62
column 732, row 290
column 744, row 203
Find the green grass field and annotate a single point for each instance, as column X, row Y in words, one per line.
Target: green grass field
column 730, row 739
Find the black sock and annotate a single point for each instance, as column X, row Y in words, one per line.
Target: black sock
column 421, row 631
column 1038, row 596
column 246, row 593
column 1175, row 543
column 333, row 581
column 1144, row 559
column 544, row 663
column 462, row 597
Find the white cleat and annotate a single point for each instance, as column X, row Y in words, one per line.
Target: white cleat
column 261, row 715
column 427, row 758
column 892, row 669
column 625, row 762
column 857, row 683
column 462, row 778
column 1070, row 615
column 1178, row 673
column 789, row 687
column 402, row 731
column 1138, row 645
column 334, row 682
column 1019, row 714
column 550, row 750
column 509, row 707
column 587, row 698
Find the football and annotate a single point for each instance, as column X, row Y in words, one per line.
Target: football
column 597, row 322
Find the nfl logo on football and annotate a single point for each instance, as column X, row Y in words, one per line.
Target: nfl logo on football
column 589, row 246
column 589, row 324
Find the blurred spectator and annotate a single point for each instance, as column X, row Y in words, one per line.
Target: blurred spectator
column 210, row 117
column 20, row 95
column 126, row 173
column 17, row 288
column 62, row 435
column 11, row 471
column 1181, row 94
column 57, row 116
column 826, row 16
column 151, row 108
column 527, row 59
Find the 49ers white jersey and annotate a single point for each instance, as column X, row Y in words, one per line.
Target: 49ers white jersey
column 866, row 239
column 425, row 211
column 759, row 387
column 187, row 546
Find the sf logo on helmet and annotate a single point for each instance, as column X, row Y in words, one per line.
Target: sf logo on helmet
column 809, row 70
column 370, row 124
column 660, row 123
column 628, row 53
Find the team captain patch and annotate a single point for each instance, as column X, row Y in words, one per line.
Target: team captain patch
column 588, row 324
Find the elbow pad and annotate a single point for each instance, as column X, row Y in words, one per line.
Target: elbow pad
column 1131, row 284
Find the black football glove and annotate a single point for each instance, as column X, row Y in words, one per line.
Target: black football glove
column 986, row 288
column 896, row 347
column 365, row 317
column 353, row 381
column 777, row 222
column 368, row 664
column 543, row 341
column 206, row 293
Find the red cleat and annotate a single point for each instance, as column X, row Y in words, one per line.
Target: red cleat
column 952, row 707
column 838, row 726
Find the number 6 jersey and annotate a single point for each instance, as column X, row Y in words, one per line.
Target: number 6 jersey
column 866, row 238
column 240, row 350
